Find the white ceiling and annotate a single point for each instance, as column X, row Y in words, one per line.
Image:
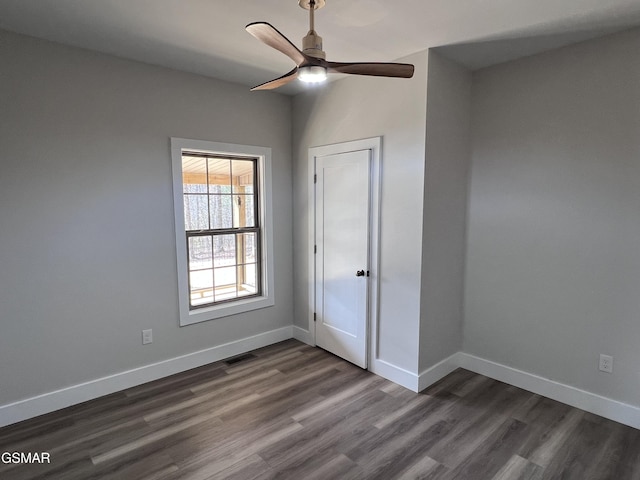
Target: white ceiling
column 208, row 37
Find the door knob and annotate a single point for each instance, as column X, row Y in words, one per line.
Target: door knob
column 360, row 273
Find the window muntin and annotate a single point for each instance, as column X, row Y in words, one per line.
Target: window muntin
column 223, row 235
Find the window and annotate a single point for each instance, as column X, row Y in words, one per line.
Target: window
column 222, row 229
column 223, row 235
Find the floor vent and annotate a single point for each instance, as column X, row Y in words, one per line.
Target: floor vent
column 239, row 358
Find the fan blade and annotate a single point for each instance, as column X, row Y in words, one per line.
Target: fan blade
column 403, row 70
column 268, row 34
column 278, row 82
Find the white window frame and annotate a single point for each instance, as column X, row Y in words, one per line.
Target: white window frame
column 267, row 298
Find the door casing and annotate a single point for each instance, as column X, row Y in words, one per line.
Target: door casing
column 373, row 144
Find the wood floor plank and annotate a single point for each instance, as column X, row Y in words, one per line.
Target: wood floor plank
column 246, row 469
column 334, row 400
column 178, row 381
column 628, row 465
column 420, row 469
column 321, row 433
column 451, row 382
column 156, row 466
column 338, row 467
column 553, row 439
column 391, row 458
column 291, row 411
column 233, row 380
column 392, row 417
column 611, row 461
column 221, row 399
column 541, row 412
column 345, row 379
column 497, row 450
column 374, row 439
column 103, row 455
column 323, row 464
column 208, row 463
column 518, row 468
column 579, row 454
column 473, row 429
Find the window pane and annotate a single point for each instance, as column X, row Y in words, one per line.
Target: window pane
column 249, row 281
column 200, row 253
column 196, row 212
column 249, row 211
column 225, row 281
column 224, row 277
column 201, row 286
column 243, row 211
column 194, row 175
column 242, row 175
column 221, row 211
column 247, row 247
column 219, row 175
column 224, row 250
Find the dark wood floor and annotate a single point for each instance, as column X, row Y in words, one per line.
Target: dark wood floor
column 297, row 412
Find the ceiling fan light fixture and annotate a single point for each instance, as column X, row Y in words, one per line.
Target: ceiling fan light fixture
column 312, row 74
column 311, row 63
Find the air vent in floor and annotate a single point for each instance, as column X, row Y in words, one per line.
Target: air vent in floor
column 239, row 358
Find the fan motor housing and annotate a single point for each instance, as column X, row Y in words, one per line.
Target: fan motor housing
column 312, row 45
column 306, row 4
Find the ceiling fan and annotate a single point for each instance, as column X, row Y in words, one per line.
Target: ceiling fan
column 311, row 65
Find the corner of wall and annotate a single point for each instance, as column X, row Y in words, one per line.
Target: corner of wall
column 446, row 178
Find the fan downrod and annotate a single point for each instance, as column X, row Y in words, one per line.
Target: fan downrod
column 312, row 42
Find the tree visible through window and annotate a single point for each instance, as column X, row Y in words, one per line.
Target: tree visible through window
column 221, row 226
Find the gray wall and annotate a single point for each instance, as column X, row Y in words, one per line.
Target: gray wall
column 361, row 107
column 445, row 209
column 87, row 254
column 553, row 267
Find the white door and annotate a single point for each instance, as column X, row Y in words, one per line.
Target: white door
column 342, row 256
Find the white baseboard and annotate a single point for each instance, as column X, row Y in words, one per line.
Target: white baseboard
column 394, row 373
column 65, row 397
column 590, row 402
column 410, row 380
column 603, row 406
column 438, row 371
column 305, row 336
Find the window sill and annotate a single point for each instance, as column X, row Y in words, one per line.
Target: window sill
column 218, row 311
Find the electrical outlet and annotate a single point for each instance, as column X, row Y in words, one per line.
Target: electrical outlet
column 147, row 336
column 606, row 363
